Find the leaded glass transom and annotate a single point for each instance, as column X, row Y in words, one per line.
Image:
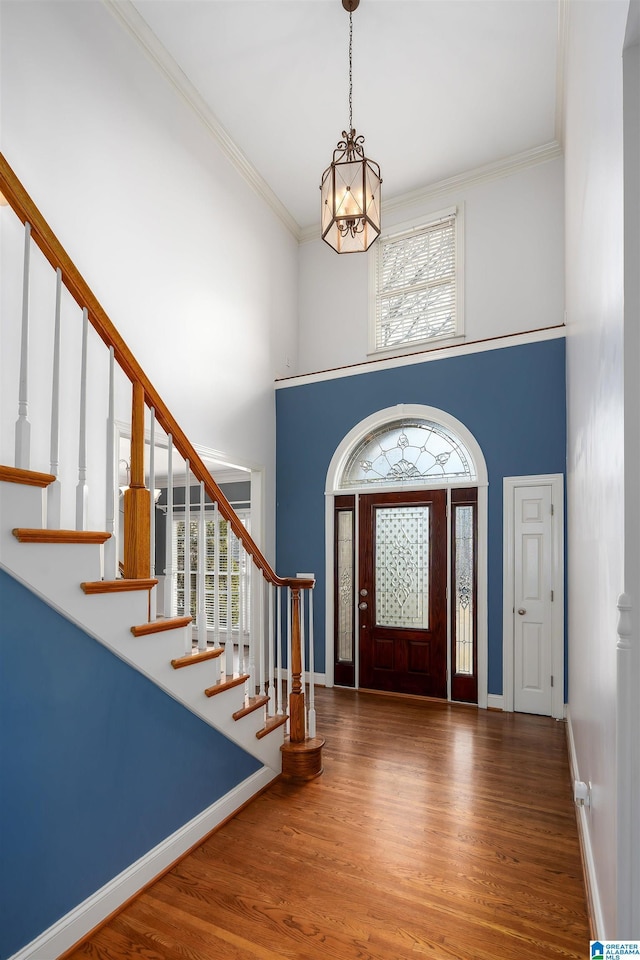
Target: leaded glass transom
column 409, row 452
column 402, row 567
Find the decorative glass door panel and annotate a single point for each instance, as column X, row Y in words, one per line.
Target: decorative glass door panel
column 402, row 566
column 402, row 592
column 344, row 591
column 464, row 654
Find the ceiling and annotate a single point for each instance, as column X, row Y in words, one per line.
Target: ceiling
column 440, row 87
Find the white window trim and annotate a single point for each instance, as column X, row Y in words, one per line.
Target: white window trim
column 417, row 225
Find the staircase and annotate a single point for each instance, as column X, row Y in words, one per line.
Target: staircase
column 238, row 652
column 65, row 568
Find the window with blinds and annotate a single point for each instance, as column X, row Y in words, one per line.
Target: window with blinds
column 227, row 580
column 417, row 284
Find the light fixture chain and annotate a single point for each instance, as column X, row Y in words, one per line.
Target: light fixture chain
column 350, row 71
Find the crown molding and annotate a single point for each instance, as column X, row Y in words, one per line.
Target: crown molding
column 462, row 181
column 125, row 12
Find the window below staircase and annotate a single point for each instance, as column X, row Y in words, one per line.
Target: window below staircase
column 227, row 579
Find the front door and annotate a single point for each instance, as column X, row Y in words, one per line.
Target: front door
column 402, row 592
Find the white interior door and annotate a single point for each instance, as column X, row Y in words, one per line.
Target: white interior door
column 533, row 598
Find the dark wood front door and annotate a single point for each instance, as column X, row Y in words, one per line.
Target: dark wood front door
column 402, row 592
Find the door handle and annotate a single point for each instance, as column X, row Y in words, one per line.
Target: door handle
column 522, row 611
column 363, row 605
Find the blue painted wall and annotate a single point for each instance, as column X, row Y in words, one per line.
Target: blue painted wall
column 512, row 400
column 97, row 766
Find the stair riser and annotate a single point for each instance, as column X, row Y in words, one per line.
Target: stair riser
column 22, row 506
column 72, row 562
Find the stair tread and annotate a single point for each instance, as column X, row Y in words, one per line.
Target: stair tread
column 254, row 703
column 116, row 586
column 30, row 478
column 34, row 535
column 158, row 626
column 226, row 684
column 198, row 656
column 272, row 723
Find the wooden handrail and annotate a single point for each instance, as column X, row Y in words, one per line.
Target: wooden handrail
column 24, row 207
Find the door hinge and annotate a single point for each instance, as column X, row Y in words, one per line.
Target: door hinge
column 553, row 510
column 551, row 681
column 552, row 596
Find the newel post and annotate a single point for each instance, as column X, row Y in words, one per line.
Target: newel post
column 296, row 695
column 301, row 755
column 137, row 528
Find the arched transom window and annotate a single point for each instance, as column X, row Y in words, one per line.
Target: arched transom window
column 411, row 451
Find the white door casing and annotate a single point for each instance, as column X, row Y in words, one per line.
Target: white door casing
column 533, row 618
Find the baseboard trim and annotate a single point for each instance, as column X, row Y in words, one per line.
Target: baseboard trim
column 495, row 701
column 84, row 918
column 594, row 906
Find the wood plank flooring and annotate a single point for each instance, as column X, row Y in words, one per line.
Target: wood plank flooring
column 435, row 831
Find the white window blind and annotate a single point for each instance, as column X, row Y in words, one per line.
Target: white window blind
column 416, row 285
column 233, row 573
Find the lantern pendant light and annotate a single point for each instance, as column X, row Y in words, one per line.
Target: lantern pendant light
column 351, row 184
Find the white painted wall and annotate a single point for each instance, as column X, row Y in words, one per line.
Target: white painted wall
column 197, row 273
column 629, row 779
column 594, row 282
column 514, row 267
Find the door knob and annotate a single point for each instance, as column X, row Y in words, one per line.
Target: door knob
column 522, row 611
column 363, row 605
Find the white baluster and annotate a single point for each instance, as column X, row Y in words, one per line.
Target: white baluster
column 169, row 574
column 216, row 585
column 270, row 675
column 289, row 670
column 302, row 655
column 241, row 663
column 228, row 646
column 279, row 709
column 187, row 555
column 153, row 596
column 23, row 427
column 312, row 672
column 257, row 630
column 202, row 572
column 82, row 490
column 216, row 577
column 111, row 545
column 53, row 490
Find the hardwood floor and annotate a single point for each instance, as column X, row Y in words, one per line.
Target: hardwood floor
column 435, row 831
